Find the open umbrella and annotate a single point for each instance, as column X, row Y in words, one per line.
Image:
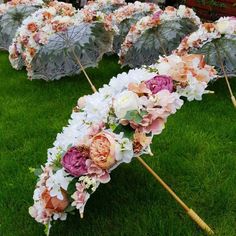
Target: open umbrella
column 55, row 40
column 157, row 35
column 36, row 30
column 126, row 16
column 217, row 41
column 11, row 16
column 112, row 126
column 85, row 43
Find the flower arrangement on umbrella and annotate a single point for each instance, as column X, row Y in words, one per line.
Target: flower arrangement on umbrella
column 110, row 127
column 126, row 16
column 12, row 14
column 104, row 6
column 217, row 41
column 55, row 40
column 157, row 34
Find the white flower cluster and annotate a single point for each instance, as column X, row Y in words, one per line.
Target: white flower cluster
column 99, row 5
column 127, row 12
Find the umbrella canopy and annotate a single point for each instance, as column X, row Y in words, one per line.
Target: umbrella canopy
column 11, row 19
column 86, row 42
column 157, row 35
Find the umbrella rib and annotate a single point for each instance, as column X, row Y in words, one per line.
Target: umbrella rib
column 226, row 76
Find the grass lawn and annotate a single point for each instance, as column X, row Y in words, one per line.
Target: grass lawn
column 195, row 155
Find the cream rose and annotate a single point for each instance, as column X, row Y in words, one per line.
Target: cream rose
column 223, row 26
column 126, row 101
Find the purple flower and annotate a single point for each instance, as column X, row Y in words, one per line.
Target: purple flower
column 160, row 82
column 74, row 161
column 156, row 15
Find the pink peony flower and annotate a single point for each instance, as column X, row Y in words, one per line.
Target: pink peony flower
column 74, row 160
column 102, row 150
column 156, row 15
column 94, row 170
column 159, row 83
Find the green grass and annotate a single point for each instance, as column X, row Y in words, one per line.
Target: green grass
column 195, row 155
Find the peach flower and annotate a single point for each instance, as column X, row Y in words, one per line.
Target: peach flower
column 53, row 203
column 102, row 150
column 32, row 27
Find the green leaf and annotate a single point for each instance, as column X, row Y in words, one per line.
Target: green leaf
column 70, row 208
column 71, row 187
column 38, row 171
column 133, row 116
column 127, row 130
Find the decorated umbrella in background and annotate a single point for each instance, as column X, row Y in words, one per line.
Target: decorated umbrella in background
column 156, row 35
column 59, row 39
column 62, row 55
column 36, row 30
column 128, row 15
column 217, row 41
column 11, row 16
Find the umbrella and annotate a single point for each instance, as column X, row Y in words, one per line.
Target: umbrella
column 36, row 30
column 12, row 19
column 128, row 15
column 157, row 35
column 85, row 44
column 105, row 130
column 53, row 42
column 217, row 41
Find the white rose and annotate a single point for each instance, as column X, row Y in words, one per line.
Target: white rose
column 124, row 102
column 223, row 26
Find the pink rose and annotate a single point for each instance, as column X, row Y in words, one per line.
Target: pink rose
column 100, row 174
column 102, row 150
column 159, row 83
column 74, row 160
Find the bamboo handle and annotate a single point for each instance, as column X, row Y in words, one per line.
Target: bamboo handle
column 194, row 216
column 189, row 211
column 233, row 101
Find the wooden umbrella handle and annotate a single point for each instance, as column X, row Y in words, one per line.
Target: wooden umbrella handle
column 189, row 211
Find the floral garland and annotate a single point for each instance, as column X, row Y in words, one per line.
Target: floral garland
column 127, row 12
column 4, row 7
column 108, row 128
column 89, row 16
column 99, row 5
column 148, row 22
column 225, row 26
column 190, row 74
column 36, row 30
